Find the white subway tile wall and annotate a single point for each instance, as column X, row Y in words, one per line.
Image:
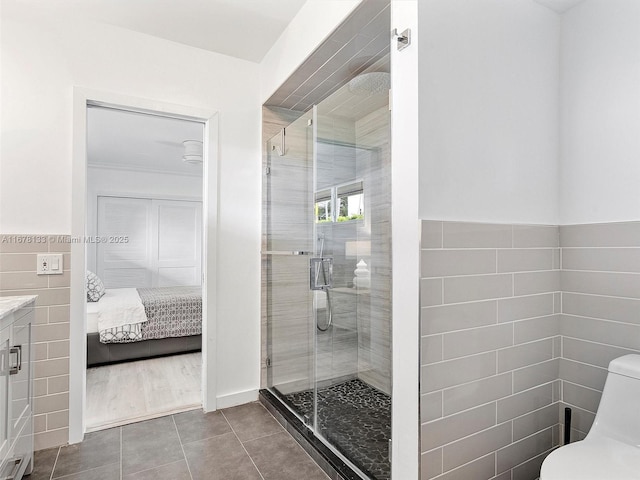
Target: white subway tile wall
column 527, row 337
column 490, row 362
column 50, row 331
column 600, row 311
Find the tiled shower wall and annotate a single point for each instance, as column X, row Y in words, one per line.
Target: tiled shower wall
column 374, row 309
column 490, row 349
column 600, row 310
column 50, row 332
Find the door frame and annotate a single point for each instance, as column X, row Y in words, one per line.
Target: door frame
column 82, row 97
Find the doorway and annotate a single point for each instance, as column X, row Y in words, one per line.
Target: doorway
column 144, row 252
column 170, row 217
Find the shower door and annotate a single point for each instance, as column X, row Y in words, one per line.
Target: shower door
column 353, row 362
column 289, row 244
column 327, row 272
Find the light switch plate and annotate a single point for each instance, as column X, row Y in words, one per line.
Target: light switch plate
column 50, row 264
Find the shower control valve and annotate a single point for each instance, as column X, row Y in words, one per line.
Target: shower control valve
column 321, row 273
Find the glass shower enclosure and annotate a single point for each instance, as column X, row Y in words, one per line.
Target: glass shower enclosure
column 327, row 274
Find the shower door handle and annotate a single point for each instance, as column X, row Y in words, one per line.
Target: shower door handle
column 321, row 273
column 292, row 253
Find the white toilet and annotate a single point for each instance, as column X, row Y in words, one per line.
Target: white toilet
column 611, row 450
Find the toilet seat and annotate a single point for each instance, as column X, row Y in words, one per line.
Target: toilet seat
column 599, row 458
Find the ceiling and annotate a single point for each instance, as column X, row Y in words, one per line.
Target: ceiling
column 353, row 106
column 359, row 43
column 559, row 6
column 244, row 29
column 136, row 141
column 241, row 28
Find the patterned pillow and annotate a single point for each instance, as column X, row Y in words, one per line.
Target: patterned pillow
column 95, row 287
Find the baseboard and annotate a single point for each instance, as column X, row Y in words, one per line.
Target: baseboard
column 239, row 398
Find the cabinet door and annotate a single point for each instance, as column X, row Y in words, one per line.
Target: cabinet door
column 163, row 247
column 4, row 392
column 21, row 379
column 178, row 243
column 123, row 264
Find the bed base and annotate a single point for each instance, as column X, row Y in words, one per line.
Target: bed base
column 107, row 353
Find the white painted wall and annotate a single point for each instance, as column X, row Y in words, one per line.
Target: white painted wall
column 489, row 127
column 600, row 172
column 1, row 34
column 312, row 24
column 44, row 56
column 405, row 229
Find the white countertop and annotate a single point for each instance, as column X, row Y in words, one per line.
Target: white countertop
column 11, row 304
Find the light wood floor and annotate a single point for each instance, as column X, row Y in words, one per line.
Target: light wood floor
column 135, row 391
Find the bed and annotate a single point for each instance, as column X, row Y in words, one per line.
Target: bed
column 164, row 321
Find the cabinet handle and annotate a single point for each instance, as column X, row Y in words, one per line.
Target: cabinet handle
column 14, row 471
column 15, row 368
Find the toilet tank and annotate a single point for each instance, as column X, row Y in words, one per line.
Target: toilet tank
column 618, row 415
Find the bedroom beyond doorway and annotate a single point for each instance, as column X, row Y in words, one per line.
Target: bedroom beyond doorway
column 144, row 274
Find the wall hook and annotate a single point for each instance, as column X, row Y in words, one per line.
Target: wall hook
column 403, row 39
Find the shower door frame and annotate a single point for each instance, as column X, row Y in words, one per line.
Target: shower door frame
column 313, row 425
column 303, row 254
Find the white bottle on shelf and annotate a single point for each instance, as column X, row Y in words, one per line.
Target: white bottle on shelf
column 362, row 277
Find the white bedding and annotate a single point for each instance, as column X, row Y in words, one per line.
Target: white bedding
column 119, row 307
column 92, row 317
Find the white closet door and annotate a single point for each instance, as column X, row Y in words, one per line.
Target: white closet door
column 123, row 264
column 178, row 249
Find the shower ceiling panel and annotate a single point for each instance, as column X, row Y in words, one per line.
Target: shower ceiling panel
column 344, row 104
column 361, row 42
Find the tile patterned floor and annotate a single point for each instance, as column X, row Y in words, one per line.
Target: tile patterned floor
column 238, row 443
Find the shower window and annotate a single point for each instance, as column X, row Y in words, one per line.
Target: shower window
column 323, row 207
column 348, row 200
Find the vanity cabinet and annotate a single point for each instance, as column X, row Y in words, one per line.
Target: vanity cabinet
column 16, row 386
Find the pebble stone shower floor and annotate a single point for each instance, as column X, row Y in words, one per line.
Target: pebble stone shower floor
column 356, row 418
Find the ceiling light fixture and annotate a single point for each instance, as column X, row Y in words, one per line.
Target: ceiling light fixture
column 192, row 152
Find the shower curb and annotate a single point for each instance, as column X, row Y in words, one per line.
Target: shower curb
column 328, row 461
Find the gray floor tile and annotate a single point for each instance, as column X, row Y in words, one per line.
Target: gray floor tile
column 97, row 449
column 149, row 444
column 107, row 472
column 173, row 471
column 152, row 450
column 43, row 462
column 196, row 425
column 251, row 421
column 220, row 458
column 279, row 457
